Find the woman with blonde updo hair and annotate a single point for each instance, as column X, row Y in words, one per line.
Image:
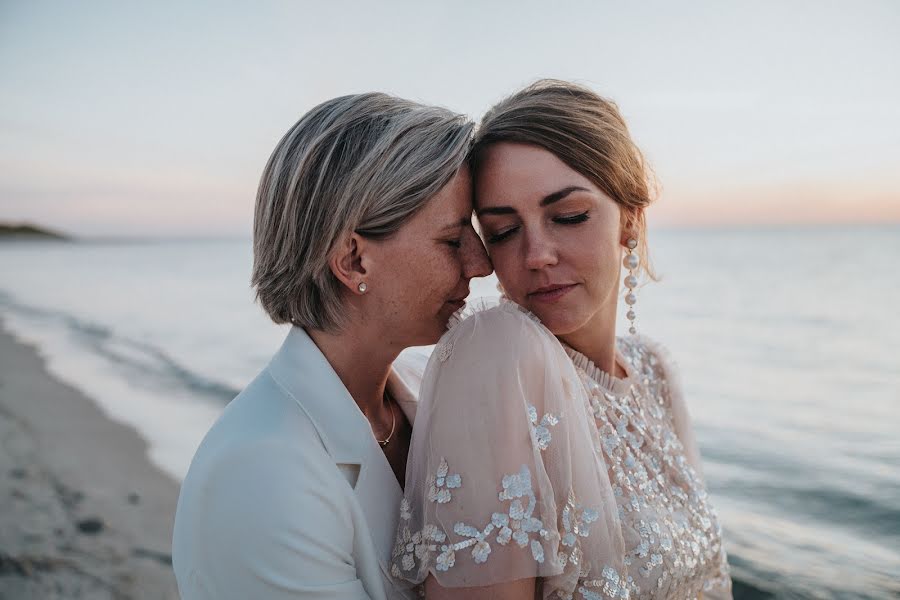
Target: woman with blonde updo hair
column 551, row 458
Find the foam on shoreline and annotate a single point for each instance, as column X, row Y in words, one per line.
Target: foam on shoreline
column 170, row 420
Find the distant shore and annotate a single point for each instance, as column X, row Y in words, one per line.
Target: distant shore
column 26, row 231
column 83, row 512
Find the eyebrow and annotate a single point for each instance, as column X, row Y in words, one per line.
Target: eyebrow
column 545, row 201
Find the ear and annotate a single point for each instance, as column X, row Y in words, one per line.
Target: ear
column 630, row 224
column 348, row 261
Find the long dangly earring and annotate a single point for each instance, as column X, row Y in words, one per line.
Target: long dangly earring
column 631, row 263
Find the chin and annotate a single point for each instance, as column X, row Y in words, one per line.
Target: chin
column 559, row 320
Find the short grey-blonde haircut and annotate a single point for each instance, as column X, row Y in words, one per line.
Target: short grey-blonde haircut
column 363, row 163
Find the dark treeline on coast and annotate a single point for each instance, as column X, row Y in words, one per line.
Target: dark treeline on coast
column 29, row 231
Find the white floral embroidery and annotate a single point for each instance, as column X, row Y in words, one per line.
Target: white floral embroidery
column 440, row 485
column 541, row 429
column 410, row 547
column 614, row 586
column 537, row 551
column 446, row 559
column 445, row 350
column 405, row 513
column 518, row 523
column 473, row 537
column 575, row 523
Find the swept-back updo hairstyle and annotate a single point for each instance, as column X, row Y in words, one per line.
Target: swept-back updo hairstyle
column 585, row 131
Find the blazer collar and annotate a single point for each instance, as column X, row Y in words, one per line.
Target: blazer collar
column 301, row 368
column 307, row 376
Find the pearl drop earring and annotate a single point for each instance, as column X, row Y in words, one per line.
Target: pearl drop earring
column 362, row 287
column 631, row 263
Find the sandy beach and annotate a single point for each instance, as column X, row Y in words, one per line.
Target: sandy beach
column 83, row 513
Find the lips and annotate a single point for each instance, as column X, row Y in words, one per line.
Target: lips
column 551, row 293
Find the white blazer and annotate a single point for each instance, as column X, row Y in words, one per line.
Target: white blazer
column 289, row 495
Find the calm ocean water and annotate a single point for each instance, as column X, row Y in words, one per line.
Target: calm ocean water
column 788, row 341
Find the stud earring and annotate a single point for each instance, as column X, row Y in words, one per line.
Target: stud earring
column 362, row 287
column 631, row 263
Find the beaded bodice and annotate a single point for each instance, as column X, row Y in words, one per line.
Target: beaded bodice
column 673, row 540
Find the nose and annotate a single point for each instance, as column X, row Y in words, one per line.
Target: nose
column 539, row 251
column 474, row 257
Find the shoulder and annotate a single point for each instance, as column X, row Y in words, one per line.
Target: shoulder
column 247, row 494
column 647, row 357
column 263, row 500
column 262, row 447
column 483, row 312
column 496, row 333
column 499, row 363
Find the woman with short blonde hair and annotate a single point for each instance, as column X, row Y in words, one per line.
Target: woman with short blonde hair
column 363, row 242
column 358, row 163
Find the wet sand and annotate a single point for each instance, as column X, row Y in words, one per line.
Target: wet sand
column 83, row 512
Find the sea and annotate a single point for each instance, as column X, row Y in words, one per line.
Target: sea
column 788, row 342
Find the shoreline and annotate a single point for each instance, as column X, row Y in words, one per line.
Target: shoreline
column 84, row 513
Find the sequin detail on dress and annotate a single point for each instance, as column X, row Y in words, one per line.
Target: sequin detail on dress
column 516, row 524
column 541, row 429
column 441, row 483
column 672, row 535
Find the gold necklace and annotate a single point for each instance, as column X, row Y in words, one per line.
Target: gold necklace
column 384, row 442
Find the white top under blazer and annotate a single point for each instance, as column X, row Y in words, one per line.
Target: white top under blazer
column 289, row 495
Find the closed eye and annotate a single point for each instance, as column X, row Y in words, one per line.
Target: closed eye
column 567, row 220
column 572, row 220
column 502, row 235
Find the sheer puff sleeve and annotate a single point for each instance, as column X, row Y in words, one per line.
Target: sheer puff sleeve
column 505, row 479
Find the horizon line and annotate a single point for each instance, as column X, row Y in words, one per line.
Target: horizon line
column 662, row 227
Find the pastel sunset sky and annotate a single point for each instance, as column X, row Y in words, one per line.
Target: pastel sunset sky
column 156, row 118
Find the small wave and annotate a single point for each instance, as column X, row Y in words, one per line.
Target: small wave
column 133, row 356
column 829, row 505
column 746, row 589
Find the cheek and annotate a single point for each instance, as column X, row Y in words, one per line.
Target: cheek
column 598, row 261
column 507, row 263
column 430, row 276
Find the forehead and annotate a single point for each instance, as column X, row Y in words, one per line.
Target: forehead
column 508, row 171
column 451, row 203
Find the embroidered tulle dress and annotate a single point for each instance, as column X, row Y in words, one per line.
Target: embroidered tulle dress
column 528, row 461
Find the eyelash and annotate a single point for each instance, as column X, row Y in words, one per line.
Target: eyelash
column 454, row 243
column 573, row 220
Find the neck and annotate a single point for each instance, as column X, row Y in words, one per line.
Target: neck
column 597, row 339
column 361, row 361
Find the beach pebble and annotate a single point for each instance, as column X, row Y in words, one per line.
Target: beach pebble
column 90, row 526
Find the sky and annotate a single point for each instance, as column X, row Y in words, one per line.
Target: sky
column 156, row 118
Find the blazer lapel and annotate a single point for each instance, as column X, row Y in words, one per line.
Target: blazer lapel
column 301, row 368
